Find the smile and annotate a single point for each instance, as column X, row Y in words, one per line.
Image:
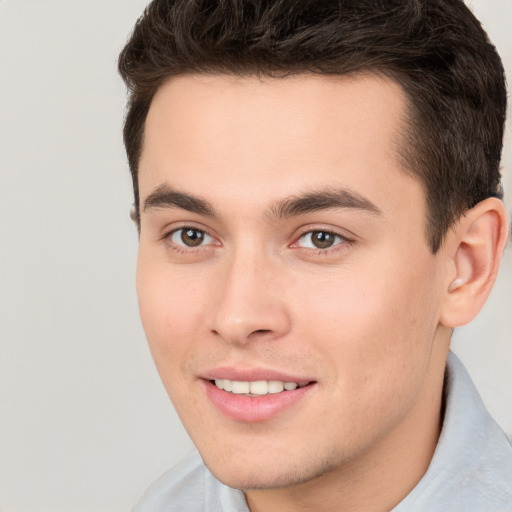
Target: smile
column 253, row 401
column 255, row 388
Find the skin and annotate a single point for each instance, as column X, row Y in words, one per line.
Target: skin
column 368, row 318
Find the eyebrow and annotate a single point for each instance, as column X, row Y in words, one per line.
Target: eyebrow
column 322, row 200
column 165, row 197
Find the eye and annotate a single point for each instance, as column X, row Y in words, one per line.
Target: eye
column 319, row 240
column 190, row 237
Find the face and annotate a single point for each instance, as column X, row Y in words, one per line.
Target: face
column 283, row 257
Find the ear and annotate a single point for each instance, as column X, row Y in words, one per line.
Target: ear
column 135, row 216
column 474, row 250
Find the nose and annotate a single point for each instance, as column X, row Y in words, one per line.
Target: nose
column 250, row 303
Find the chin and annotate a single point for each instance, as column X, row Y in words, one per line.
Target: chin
column 269, row 475
column 259, row 481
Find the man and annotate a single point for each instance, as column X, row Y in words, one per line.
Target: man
column 318, row 197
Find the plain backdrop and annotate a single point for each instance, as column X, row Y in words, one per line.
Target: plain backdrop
column 85, row 425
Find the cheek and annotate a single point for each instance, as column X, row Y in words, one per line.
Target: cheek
column 376, row 353
column 375, row 328
column 171, row 308
column 170, row 312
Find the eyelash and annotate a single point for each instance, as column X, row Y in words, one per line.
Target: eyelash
column 343, row 243
column 183, row 249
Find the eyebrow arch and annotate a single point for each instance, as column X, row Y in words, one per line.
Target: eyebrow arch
column 322, row 200
column 165, row 197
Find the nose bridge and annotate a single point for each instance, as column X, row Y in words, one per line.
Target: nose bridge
column 248, row 303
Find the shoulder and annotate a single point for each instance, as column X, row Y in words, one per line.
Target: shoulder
column 183, row 486
column 472, row 465
column 190, row 487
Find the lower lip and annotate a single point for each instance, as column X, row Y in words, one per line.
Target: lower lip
column 254, row 409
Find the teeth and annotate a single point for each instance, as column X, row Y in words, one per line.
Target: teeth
column 275, row 386
column 240, row 388
column 256, row 388
column 259, row 387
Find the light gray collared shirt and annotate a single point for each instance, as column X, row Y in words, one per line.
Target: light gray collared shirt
column 471, row 470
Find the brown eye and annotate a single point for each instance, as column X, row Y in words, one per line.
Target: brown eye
column 189, row 237
column 320, row 240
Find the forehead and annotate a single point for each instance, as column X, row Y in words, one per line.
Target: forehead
column 253, row 139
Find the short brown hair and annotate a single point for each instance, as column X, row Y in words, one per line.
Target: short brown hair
column 435, row 49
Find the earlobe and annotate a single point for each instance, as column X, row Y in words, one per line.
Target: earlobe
column 476, row 248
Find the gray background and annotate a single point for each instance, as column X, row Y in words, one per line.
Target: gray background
column 85, row 424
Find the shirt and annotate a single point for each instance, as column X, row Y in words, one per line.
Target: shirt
column 471, row 470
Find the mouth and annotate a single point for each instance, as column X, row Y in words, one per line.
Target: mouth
column 253, row 401
column 257, row 387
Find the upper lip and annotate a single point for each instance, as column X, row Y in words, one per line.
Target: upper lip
column 252, row 375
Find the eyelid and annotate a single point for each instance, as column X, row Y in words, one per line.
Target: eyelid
column 205, row 241
column 337, row 239
column 311, row 228
column 171, row 230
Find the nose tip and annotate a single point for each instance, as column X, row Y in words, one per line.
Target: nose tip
column 249, row 306
column 242, row 330
column 257, row 316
